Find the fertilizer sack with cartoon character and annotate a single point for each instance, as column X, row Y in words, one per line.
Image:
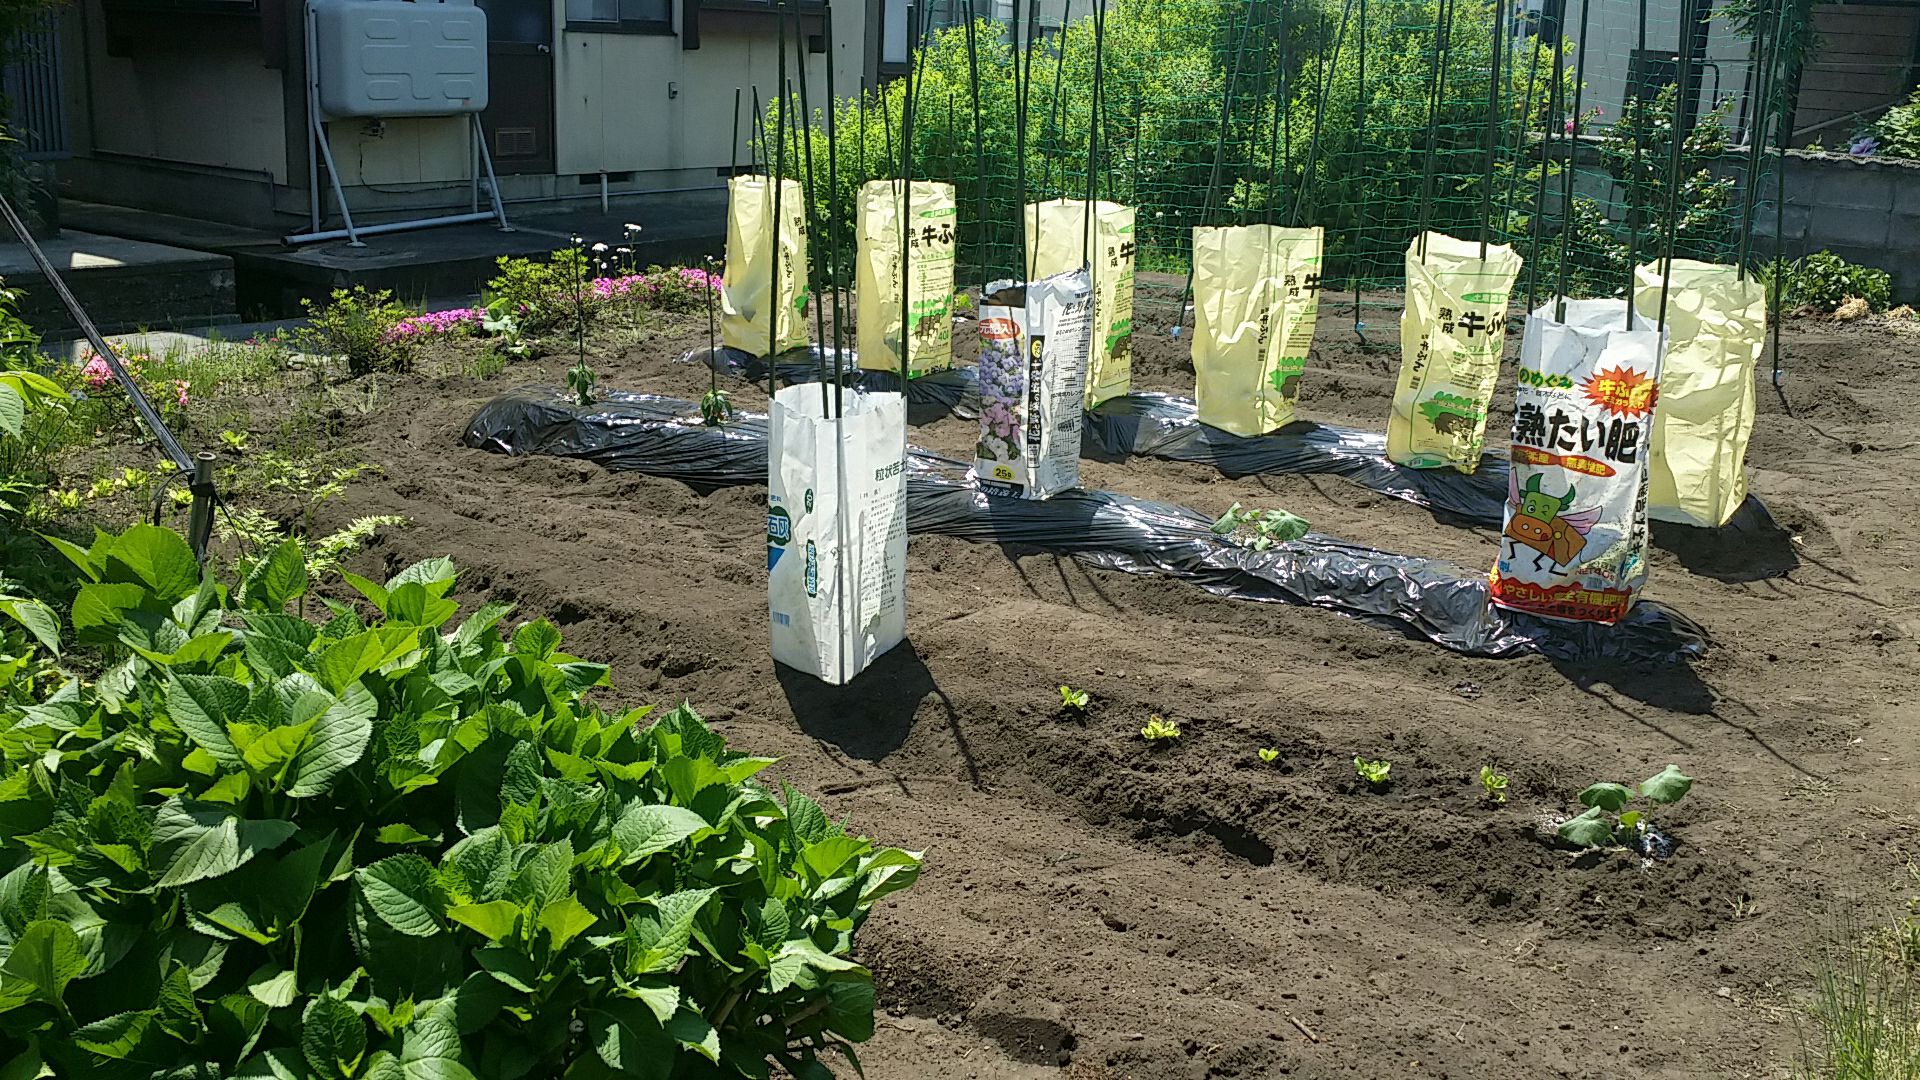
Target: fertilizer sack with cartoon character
column 1034, row 339
column 1256, row 297
column 836, row 529
column 763, row 300
column 1716, row 327
column 929, row 244
column 1058, row 240
column 1575, row 542
column 1451, row 336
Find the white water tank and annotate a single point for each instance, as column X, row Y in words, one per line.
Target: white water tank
column 396, row 58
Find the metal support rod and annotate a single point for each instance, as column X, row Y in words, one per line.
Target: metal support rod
column 391, row 227
column 200, row 519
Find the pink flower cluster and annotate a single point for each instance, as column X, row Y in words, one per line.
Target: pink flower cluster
column 98, row 376
column 648, row 286
column 437, row 323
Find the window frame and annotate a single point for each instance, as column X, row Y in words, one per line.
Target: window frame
column 662, row 27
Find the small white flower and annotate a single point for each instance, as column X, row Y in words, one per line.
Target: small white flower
column 599, row 247
column 631, row 227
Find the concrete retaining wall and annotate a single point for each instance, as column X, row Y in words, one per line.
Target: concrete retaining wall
column 1864, row 211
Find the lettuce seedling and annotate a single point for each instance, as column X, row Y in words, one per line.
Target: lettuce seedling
column 1075, row 700
column 1259, row 530
column 1269, row 755
column 1373, row 772
column 1494, row 784
column 1607, row 819
column 1159, row 730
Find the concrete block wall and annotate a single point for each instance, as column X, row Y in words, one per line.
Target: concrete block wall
column 1864, row 211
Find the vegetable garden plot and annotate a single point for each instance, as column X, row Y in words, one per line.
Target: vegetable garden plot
column 1168, row 426
column 1423, row 598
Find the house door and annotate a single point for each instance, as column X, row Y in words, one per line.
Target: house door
column 519, row 117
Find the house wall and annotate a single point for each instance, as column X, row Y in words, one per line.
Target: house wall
column 211, row 102
column 1613, row 35
column 1865, row 64
column 613, row 109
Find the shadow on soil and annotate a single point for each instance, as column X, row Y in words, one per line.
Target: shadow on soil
column 872, row 716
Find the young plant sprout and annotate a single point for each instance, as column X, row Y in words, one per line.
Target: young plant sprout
column 1269, row 755
column 1073, row 699
column 1494, row 784
column 1159, row 730
column 1373, row 772
column 715, row 408
column 1607, row 819
column 1260, row 529
column 235, row 441
column 581, row 380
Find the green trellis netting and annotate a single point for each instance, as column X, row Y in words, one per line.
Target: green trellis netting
column 1372, row 118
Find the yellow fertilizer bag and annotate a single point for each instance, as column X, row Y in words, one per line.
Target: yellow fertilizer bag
column 1256, row 298
column 929, row 288
column 1717, row 326
column 753, row 298
column 1057, row 242
column 1451, row 336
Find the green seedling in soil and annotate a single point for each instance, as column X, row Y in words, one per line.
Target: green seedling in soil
column 235, row 441
column 1269, row 755
column 1607, row 819
column 715, row 408
column 1159, row 730
column 581, row 380
column 1494, row 784
column 180, row 497
column 66, row 499
column 1373, row 772
column 1260, row 529
column 1073, row 699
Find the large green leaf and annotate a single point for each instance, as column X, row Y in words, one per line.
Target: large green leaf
column 333, row 1037
column 494, row 920
column 276, row 644
column 544, row 878
column 402, row 890
column 691, row 1030
column 412, row 605
column 277, row 579
column 349, row 658
column 537, row 639
column 40, row 620
column 1591, row 829
column 203, row 706
column 477, row 624
column 564, row 920
column 44, row 960
column 1606, row 796
column 648, row 829
column 338, row 741
column 672, row 930
column 13, row 411
column 850, row 1015
column 630, row 1040
column 195, row 841
column 157, row 558
column 437, row 574
column 1669, row 785
column 116, row 1036
column 99, row 608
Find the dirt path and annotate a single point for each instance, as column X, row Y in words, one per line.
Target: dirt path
column 1194, row 912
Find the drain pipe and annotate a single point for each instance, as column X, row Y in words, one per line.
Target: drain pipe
column 603, row 191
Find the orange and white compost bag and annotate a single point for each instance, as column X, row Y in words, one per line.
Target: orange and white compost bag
column 1574, row 545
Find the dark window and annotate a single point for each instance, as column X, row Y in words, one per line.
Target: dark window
column 621, row 16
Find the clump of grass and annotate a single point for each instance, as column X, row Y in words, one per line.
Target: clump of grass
column 1865, row 1013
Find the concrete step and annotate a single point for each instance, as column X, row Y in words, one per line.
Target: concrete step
column 123, row 284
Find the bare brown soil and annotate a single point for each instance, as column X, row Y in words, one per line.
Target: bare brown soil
column 1095, row 908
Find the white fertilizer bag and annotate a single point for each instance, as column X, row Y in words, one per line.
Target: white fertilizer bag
column 1033, row 367
column 1452, row 333
column 1256, row 297
column 754, row 299
column 1058, row 240
column 930, row 250
column 1575, row 542
column 836, row 530
column 1716, row 327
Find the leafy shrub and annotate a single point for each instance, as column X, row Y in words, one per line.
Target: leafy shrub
column 543, row 297
column 361, row 326
column 1823, row 281
column 1898, row 129
column 380, row 849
